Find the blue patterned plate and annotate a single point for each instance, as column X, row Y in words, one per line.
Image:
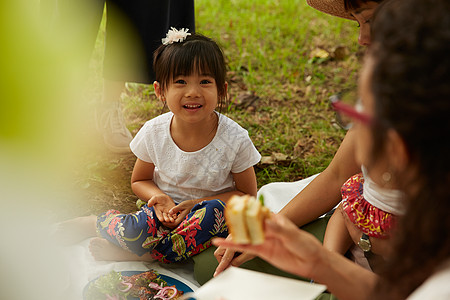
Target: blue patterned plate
column 170, row 281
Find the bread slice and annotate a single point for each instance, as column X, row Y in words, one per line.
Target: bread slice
column 235, row 218
column 255, row 215
column 245, row 219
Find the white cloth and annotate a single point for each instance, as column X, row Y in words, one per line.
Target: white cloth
column 192, row 175
column 387, row 200
column 436, row 287
column 242, row 284
column 278, row 194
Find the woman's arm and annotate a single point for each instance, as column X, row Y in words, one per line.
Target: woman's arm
column 343, row 278
column 298, row 252
column 323, row 193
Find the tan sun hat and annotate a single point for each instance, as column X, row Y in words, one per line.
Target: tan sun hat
column 331, row 7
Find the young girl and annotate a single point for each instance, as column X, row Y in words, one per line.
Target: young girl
column 372, row 208
column 190, row 161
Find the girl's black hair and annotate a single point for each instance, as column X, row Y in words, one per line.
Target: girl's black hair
column 196, row 54
column 410, row 82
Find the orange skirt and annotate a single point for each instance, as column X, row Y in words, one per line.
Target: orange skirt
column 368, row 218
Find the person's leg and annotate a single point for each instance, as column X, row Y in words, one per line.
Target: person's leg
column 205, row 221
column 136, row 233
column 205, row 263
column 75, row 230
column 75, row 23
column 336, row 237
column 134, row 30
column 110, row 119
column 102, row 249
column 123, row 57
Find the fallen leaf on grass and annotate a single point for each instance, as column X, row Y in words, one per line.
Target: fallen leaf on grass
column 276, row 157
column 319, row 53
column 340, row 52
column 246, row 99
column 318, row 56
column 303, row 147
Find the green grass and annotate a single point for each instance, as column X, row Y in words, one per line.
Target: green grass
column 268, row 45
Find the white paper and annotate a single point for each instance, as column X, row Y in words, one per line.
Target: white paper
column 237, row 283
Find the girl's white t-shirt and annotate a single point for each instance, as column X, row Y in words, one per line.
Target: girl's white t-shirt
column 193, row 175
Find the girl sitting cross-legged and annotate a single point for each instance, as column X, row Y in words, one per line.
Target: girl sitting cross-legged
column 190, row 161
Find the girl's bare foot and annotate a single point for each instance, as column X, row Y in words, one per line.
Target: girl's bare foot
column 102, row 249
column 76, row 230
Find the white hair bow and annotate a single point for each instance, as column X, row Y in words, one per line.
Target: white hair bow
column 175, row 35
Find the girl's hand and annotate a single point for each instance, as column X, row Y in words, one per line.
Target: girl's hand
column 227, row 257
column 286, row 247
column 181, row 210
column 162, row 204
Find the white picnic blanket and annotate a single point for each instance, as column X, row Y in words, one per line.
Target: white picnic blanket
column 278, row 194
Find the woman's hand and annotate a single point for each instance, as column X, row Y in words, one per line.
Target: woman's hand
column 286, row 247
column 298, row 252
column 162, row 204
column 227, row 257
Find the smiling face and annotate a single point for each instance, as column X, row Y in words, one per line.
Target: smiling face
column 192, row 98
column 190, row 79
column 197, row 55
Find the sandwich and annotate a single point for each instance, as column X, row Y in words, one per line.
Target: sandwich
column 245, row 219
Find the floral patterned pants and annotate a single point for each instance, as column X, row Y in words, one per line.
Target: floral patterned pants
column 142, row 232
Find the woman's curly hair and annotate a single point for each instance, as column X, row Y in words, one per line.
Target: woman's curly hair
column 411, row 86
